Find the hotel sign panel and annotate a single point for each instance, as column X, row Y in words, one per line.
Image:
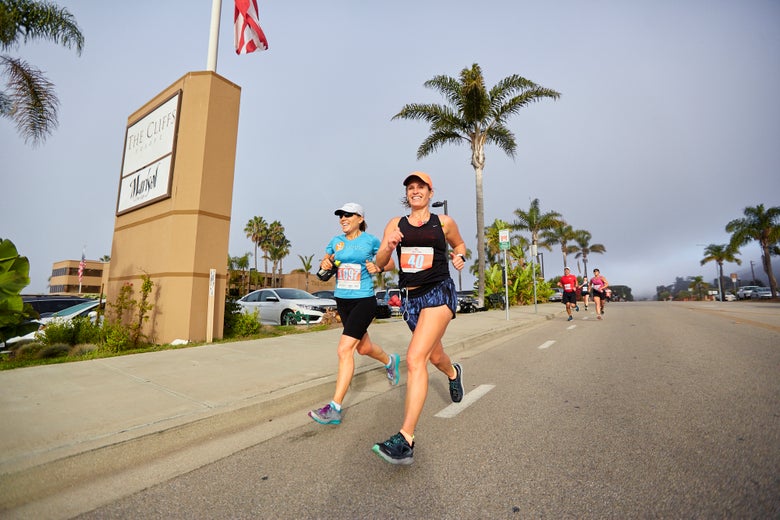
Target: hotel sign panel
column 147, row 163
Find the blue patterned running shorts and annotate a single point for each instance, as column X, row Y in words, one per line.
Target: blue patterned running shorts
column 443, row 293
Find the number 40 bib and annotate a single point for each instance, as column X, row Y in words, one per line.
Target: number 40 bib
column 416, row 259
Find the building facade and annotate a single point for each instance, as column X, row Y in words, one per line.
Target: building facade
column 65, row 277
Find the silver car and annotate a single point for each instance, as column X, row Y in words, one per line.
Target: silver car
column 285, row 306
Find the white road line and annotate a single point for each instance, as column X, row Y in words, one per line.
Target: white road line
column 571, row 327
column 546, row 344
column 468, row 399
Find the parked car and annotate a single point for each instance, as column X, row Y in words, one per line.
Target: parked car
column 392, row 297
column 763, row 293
column 466, row 302
column 48, row 304
column 87, row 309
column 286, row 306
column 382, row 308
column 745, row 292
column 726, row 297
column 557, row 296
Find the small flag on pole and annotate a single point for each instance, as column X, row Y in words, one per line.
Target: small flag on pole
column 249, row 35
column 82, row 265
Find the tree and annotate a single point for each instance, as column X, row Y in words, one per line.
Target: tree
column 720, row 253
column 535, row 222
column 29, row 99
column 478, row 117
column 256, row 230
column 763, row 226
column 15, row 316
column 585, row 248
column 561, row 233
column 698, row 285
column 276, row 247
column 307, row 263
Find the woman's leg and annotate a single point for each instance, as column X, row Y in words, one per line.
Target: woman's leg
column 427, row 336
column 346, row 353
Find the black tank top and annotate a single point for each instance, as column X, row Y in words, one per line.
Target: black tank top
column 429, row 234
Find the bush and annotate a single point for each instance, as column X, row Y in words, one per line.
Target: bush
column 232, row 312
column 54, row 351
column 246, row 324
column 58, row 331
column 83, row 349
column 117, row 337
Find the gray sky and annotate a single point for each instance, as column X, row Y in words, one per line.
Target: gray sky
column 668, row 124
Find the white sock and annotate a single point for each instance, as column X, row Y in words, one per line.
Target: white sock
column 335, row 406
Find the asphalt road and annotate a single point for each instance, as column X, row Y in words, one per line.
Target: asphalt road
column 658, row 411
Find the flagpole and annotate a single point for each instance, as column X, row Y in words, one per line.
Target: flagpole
column 216, row 8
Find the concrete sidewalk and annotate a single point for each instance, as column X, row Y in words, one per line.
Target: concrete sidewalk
column 57, row 417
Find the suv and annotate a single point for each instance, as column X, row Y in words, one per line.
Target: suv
column 48, row 304
column 746, row 291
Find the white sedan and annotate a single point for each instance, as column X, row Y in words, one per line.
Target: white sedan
column 285, row 306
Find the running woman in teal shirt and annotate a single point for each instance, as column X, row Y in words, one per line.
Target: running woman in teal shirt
column 353, row 251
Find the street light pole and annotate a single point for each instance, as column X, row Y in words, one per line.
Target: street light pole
column 441, row 203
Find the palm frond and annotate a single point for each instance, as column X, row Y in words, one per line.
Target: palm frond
column 25, row 20
column 448, row 87
column 34, row 103
column 438, row 139
column 502, row 137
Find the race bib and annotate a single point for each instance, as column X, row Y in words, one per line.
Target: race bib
column 416, row 259
column 349, row 276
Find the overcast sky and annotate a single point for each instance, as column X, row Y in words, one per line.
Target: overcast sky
column 667, row 127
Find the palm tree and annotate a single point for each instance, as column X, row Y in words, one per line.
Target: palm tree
column 30, row 100
column 698, row 284
column 762, row 225
column 478, row 117
column 256, row 230
column 720, row 253
column 561, row 233
column 307, row 263
column 585, row 248
column 276, row 247
column 535, row 222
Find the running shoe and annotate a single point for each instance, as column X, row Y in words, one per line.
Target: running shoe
column 395, row 450
column 393, row 374
column 577, row 308
column 326, row 415
column 570, row 318
column 456, row 385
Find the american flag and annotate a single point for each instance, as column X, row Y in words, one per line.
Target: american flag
column 249, row 35
column 82, row 265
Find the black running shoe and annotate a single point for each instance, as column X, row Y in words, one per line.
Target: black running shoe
column 456, row 385
column 395, row 450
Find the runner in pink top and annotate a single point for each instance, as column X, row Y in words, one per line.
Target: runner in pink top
column 599, row 284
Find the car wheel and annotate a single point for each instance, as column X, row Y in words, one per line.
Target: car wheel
column 288, row 317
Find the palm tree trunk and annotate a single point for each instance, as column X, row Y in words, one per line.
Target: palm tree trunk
column 480, row 235
column 767, row 261
column 478, row 162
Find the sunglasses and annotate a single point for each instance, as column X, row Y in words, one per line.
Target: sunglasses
column 346, row 214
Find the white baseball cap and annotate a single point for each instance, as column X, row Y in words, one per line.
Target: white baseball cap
column 350, row 207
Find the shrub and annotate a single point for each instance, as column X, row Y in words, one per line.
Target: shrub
column 246, row 324
column 117, row 337
column 54, row 351
column 58, row 331
column 83, row 349
column 232, row 312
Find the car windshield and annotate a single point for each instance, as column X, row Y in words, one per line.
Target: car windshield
column 294, row 294
column 74, row 309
